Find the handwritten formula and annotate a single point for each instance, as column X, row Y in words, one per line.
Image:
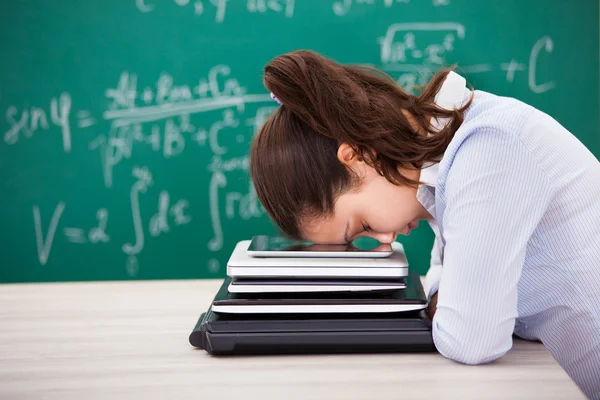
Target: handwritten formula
column 143, row 125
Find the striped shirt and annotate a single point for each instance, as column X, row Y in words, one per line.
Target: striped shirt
column 516, row 207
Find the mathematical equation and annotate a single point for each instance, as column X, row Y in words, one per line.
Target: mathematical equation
column 343, row 7
column 281, row 7
column 26, row 122
column 167, row 214
column 159, row 223
column 415, row 50
column 161, row 117
column 213, row 116
column 219, row 7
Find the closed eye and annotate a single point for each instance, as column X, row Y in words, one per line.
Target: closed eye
column 365, row 228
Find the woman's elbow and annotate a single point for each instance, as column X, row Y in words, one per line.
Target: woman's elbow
column 469, row 348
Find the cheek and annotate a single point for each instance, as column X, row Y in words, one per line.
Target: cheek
column 392, row 213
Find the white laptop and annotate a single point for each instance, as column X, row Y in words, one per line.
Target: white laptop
column 242, row 265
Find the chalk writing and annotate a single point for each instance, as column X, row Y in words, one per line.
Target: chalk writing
column 218, row 91
column 262, row 113
column 217, row 164
column 98, row 233
column 343, row 7
column 72, row 235
column 217, row 182
column 213, row 265
column 402, row 51
column 169, row 137
column 285, row 7
column 25, row 122
column 219, row 7
column 244, row 205
column 176, row 214
column 512, row 67
column 159, row 222
column 85, row 119
column 95, row 235
column 406, row 49
column 44, row 244
column 198, row 126
column 228, row 121
column 75, row 235
column 177, row 211
column 132, row 266
column 169, row 106
column 144, row 179
column 160, row 116
column 547, row 44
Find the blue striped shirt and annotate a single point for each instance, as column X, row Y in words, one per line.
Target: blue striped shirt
column 516, row 206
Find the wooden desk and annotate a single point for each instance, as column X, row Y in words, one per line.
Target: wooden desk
column 130, row 340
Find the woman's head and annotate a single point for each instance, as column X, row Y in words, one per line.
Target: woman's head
column 341, row 157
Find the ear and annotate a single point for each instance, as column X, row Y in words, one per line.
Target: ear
column 348, row 156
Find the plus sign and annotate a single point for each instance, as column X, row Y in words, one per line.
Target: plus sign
column 202, row 88
column 200, row 137
column 511, row 67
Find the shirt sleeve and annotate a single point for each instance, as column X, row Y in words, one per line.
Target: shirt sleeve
column 432, row 278
column 495, row 196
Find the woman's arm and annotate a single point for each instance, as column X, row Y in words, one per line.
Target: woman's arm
column 435, row 264
column 496, row 194
column 435, row 270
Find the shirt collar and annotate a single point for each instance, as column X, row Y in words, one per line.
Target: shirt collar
column 452, row 92
column 451, row 95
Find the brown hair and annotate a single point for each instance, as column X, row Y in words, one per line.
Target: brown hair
column 293, row 159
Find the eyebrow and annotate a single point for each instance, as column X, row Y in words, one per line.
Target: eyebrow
column 346, row 231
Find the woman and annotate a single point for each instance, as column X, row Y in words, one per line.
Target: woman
column 512, row 196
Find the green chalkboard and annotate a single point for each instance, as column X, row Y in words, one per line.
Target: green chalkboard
column 126, row 123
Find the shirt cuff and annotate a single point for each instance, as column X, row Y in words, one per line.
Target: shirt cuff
column 432, row 279
column 432, row 290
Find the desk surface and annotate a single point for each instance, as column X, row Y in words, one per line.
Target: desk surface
column 130, row 340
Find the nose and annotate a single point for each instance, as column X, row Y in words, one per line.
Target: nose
column 388, row 237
